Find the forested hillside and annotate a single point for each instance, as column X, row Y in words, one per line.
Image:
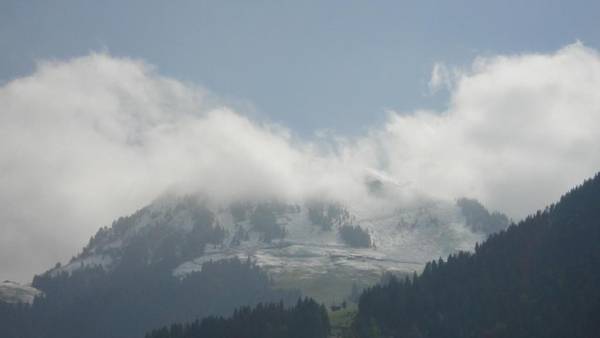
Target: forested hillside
column 538, row 278
column 133, row 299
column 306, row 319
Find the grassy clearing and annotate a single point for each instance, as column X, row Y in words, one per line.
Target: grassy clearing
column 329, row 288
column 341, row 321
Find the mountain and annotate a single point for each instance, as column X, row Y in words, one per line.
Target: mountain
column 186, row 257
column 321, row 247
column 538, row 278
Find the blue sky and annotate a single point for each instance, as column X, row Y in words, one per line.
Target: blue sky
column 308, row 65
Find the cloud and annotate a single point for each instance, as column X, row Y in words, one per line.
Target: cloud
column 440, row 78
column 93, row 138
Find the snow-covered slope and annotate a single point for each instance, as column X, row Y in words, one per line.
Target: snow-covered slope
column 302, row 244
column 402, row 241
column 12, row 292
column 303, row 239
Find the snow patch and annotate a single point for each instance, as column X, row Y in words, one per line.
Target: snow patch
column 12, row 292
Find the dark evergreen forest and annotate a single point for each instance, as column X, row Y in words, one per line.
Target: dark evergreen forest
column 133, row 299
column 305, row 319
column 538, row 278
column 355, row 236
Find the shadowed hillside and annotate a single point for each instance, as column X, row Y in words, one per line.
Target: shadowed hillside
column 539, row 278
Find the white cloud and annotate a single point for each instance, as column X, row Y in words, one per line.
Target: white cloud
column 440, row 78
column 90, row 139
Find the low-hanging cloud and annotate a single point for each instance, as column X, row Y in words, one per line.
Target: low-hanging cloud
column 93, row 138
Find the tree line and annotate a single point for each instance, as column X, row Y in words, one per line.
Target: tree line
column 272, row 320
column 538, row 278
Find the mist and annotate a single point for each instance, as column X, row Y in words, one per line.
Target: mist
column 90, row 139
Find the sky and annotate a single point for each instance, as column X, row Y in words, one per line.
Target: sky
column 104, row 106
column 309, row 65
